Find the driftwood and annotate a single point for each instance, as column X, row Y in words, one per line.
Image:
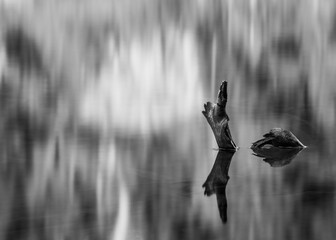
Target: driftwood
column 278, row 147
column 278, row 137
column 219, row 120
column 217, row 180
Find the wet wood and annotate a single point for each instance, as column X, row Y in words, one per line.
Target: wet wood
column 218, row 119
column 278, row 137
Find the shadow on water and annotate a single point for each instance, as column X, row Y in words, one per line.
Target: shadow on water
column 277, row 157
column 217, row 180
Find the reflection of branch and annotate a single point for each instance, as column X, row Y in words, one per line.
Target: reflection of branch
column 218, row 119
column 217, row 180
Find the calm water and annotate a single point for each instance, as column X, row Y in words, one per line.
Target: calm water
column 149, row 186
column 126, row 154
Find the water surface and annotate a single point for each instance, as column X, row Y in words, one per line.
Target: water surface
column 129, row 158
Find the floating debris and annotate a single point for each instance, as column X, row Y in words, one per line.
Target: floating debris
column 278, row 137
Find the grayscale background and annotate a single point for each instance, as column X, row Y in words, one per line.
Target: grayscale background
column 101, row 130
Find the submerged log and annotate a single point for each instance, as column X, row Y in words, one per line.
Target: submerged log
column 278, row 137
column 278, row 147
column 218, row 119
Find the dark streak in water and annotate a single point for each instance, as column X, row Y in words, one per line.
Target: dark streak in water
column 23, row 51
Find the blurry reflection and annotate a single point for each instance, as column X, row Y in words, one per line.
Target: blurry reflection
column 102, row 136
column 332, row 30
column 287, row 47
column 277, row 157
column 217, row 180
column 22, row 51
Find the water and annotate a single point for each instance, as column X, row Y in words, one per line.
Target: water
column 150, row 186
column 122, row 150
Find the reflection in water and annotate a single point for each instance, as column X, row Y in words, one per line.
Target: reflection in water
column 217, row 180
column 110, row 144
column 23, row 51
column 277, row 157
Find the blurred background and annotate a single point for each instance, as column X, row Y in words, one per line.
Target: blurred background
column 102, row 135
